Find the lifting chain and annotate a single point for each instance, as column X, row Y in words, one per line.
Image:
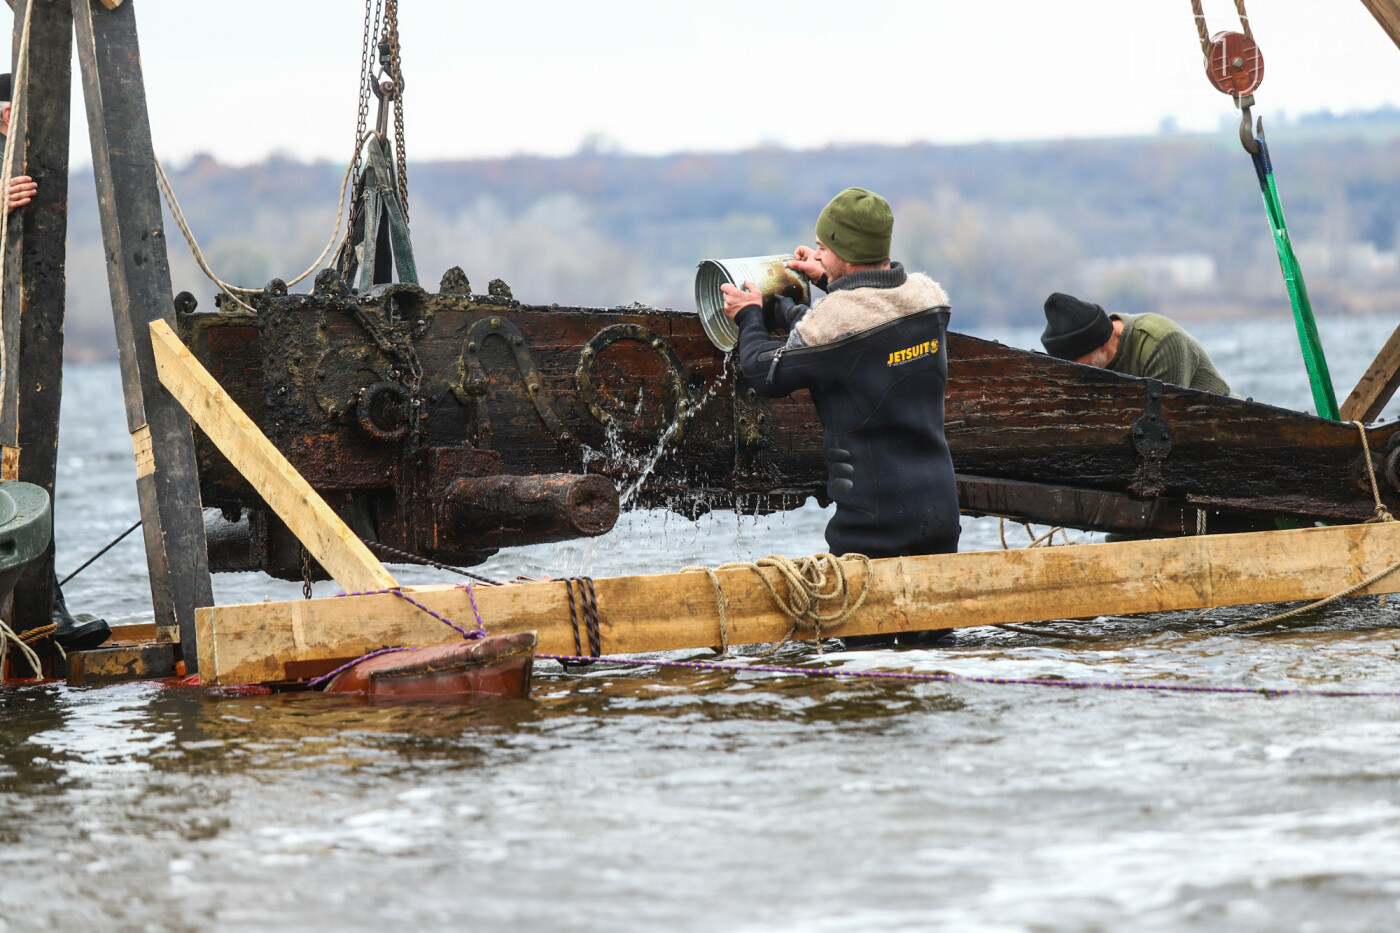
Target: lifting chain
column 391, row 36
column 373, row 15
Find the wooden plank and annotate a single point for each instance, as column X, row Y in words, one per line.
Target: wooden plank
column 33, row 295
column 263, row 641
column 133, row 633
column 111, row 664
column 1387, row 13
column 1377, row 386
column 320, row 530
column 138, row 271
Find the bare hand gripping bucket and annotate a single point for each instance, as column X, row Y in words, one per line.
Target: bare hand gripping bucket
column 769, row 273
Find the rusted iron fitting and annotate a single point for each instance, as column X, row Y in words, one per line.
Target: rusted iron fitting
column 510, row 510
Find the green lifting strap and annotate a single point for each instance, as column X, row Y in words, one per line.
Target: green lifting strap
column 1324, row 397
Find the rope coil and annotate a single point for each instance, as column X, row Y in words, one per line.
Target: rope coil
column 813, row 584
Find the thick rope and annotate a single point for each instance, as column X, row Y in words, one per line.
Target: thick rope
column 723, row 648
column 233, row 291
column 1204, row 33
column 1244, row 626
column 1382, row 514
column 7, row 635
column 1201, row 31
column 38, row 634
column 813, row 583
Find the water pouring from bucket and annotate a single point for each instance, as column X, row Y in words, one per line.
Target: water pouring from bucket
column 769, row 273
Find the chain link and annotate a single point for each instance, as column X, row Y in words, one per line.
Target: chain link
column 305, row 573
column 391, row 31
column 366, row 73
column 373, row 15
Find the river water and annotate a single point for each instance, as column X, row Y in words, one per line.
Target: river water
column 662, row 799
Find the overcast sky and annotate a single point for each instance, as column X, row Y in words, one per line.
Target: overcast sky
column 245, row 80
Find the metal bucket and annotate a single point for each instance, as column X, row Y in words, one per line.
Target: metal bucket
column 769, row 273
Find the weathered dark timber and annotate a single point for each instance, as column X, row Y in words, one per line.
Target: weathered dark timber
column 34, row 283
column 488, row 510
column 385, row 400
column 139, row 274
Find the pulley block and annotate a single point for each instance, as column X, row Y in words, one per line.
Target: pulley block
column 1234, row 64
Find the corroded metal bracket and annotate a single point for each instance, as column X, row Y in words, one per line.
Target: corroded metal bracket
column 1152, row 439
column 670, row 359
column 473, row 382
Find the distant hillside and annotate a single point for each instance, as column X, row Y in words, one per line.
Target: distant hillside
column 1170, row 223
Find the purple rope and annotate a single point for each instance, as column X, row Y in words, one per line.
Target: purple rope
column 481, row 625
column 469, row 636
column 315, row 682
column 975, row 679
column 471, row 595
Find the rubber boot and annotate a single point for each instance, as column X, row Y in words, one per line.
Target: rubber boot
column 76, row 634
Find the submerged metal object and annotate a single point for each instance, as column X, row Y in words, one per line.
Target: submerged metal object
column 769, row 273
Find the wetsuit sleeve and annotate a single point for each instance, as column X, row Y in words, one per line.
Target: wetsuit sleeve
column 1171, row 361
column 756, row 351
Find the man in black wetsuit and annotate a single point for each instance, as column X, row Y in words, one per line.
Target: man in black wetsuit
column 874, row 355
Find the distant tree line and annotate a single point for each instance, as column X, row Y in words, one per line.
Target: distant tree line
column 1170, row 222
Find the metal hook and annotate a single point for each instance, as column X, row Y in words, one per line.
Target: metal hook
column 1247, row 135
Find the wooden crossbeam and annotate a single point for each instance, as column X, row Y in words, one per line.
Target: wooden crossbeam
column 320, row 530
column 280, row 641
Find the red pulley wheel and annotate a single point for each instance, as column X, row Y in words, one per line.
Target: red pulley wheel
column 1235, row 65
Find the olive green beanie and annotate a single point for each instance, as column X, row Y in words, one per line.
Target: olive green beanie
column 856, row 226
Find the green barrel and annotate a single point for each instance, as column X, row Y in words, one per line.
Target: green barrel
column 26, row 525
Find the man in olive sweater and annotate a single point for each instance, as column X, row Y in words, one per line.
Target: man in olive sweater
column 1147, row 345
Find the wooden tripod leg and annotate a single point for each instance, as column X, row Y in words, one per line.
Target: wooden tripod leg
column 1377, row 386
column 33, row 299
column 138, row 271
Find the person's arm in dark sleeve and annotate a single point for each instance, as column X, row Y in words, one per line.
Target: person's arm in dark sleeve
column 756, row 356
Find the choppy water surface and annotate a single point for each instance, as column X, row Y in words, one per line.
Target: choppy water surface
column 624, row 799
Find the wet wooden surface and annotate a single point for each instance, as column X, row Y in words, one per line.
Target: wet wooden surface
column 521, row 390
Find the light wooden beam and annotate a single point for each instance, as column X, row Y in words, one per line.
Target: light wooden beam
column 322, row 532
column 1377, row 386
column 1387, row 13
column 279, row 641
